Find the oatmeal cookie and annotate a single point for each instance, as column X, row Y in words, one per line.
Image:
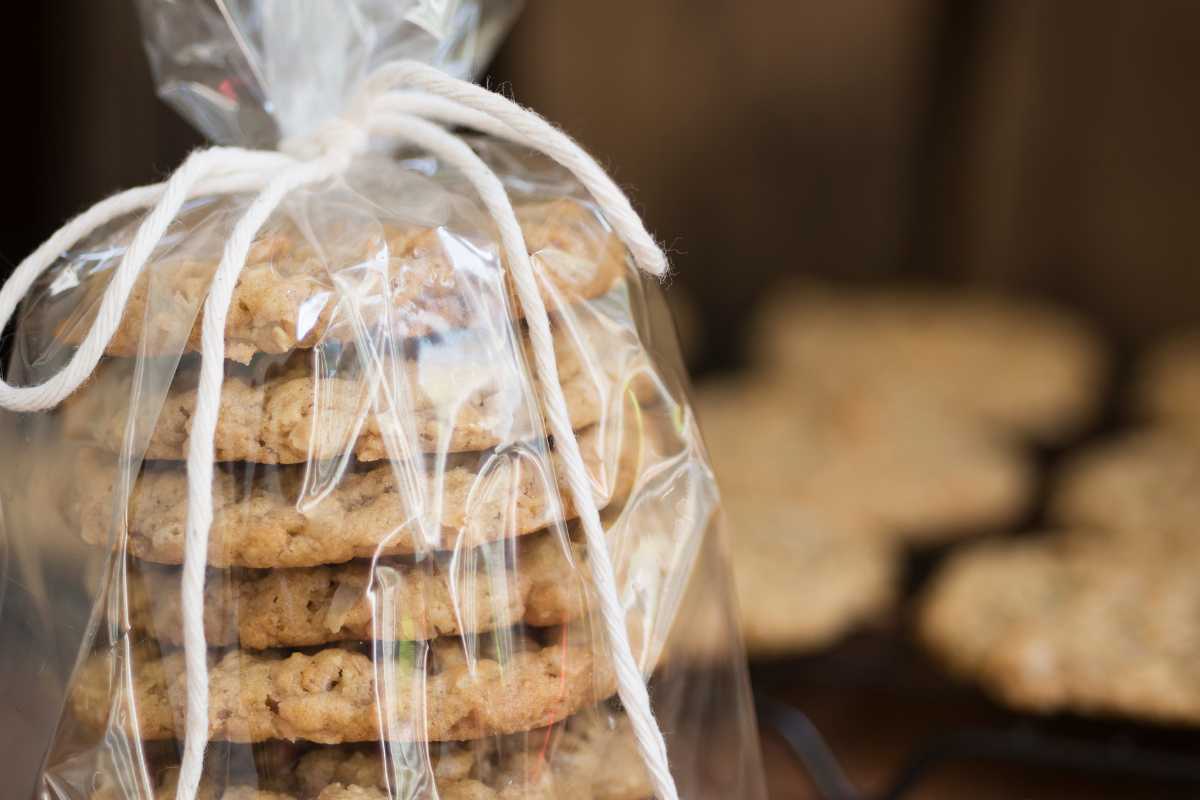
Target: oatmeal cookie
column 1064, row 624
column 469, row 394
column 510, row 682
column 1014, row 365
column 592, row 756
column 287, row 294
column 539, row 582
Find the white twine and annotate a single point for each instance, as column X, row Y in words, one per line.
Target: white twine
column 402, row 100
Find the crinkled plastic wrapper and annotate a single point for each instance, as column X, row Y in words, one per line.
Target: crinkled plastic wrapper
column 398, row 601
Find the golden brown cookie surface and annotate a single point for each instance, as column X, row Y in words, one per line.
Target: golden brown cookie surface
column 1142, row 488
column 1016, row 365
column 1167, row 384
column 430, row 691
column 467, row 394
column 592, row 756
column 888, row 462
column 803, row 582
column 290, row 293
column 539, row 582
column 1068, row 624
column 269, row 517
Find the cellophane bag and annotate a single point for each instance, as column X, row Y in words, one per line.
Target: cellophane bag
column 398, row 602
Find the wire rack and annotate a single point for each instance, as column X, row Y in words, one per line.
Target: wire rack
column 1019, row 745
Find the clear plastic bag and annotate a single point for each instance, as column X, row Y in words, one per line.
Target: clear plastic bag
column 398, row 602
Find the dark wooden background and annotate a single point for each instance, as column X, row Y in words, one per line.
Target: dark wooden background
column 1038, row 145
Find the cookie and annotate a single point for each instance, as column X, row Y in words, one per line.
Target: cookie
column 466, row 393
column 509, row 682
column 1016, row 366
column 302, row 287
column 803, row 582
column 884, row 462
column 592, row 756
column 1058, row 625
column 538, row 582
column 1141, row 487
column 328, row 513
column 270, row 517
column 1167, row 384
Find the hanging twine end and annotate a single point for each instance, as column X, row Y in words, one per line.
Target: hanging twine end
column 658, row 266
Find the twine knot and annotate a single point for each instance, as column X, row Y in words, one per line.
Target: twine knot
column 340, row 138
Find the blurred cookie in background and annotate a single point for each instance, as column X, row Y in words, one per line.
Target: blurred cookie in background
column 1058, row 624
column 803, row 579
column 892, row 463
column 823, row 487
column 1014, row 364
column 804, row 582
column 1099, row 618
column 1143, row 487
column 916, row 473
column 1167, row 384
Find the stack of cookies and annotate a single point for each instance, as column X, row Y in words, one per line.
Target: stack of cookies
column 395, row 588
